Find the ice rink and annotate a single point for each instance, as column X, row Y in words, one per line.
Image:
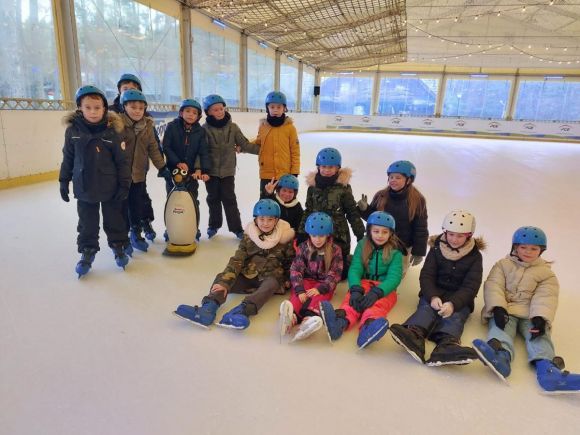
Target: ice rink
column 104, row 355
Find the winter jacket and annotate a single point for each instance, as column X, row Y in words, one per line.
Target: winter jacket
column 96, row 162
column 279, row 151
column 291, row 211
column 185, row 146
column 270, row 257
column 338, row 202
column 305, row 267
column 222, row 148
column 388, row 273
column 454, row 277
column 117, row 107
column 139, row 138
column 525, row 290
column 413, row 234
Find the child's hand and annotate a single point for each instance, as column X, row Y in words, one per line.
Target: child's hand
column 312, row 292
column 204, row 177
column 436, row 303
column 303, row 297
column 183, row 166
column 446, row 310
column 362, row 203
column 218, row 288
column 271, row 186
column 197, row 174
column 538, row 327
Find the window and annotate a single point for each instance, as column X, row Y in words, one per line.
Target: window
column 123, row 36
column 289, row 84
column 346, row 94
column 307, row 91
column 29, row 66
column 415, row 96
column 476, row 98
column 216, row 67
column 548, row 100
column 260, row 78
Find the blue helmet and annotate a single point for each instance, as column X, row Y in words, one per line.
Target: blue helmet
column 212, row 99
column 275, row 97
column 289, row 181
column 129, row 78
column 404, row 167
column 132, row 95
column 530, row 236
column 190, row 102
column 328, row 157
column 267, row 207
column 89, row 90
column 382, row 219
column 319, row 224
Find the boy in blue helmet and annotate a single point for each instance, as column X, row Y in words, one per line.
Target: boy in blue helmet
column 259, row 269
column 285, row 192
column 521, row 295
column 94, row 158
column 125, row 83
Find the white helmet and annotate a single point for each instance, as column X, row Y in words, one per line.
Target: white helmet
column 459, row 221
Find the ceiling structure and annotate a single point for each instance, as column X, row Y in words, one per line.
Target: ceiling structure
column 341, row 35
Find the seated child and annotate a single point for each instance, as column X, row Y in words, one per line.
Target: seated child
column 285, row 192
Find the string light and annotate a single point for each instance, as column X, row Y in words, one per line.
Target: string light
column 524, row 8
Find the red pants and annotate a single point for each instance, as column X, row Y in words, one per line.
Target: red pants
column 381, row 308
column 312, row 304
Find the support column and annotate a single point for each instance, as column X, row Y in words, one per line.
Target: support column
column 244, row 72
column 316, row 99
column 440, row 92
column 186, row 40
column 67, row 47
column 299, row 89
column 277, row 71
column 511, row 107
column 375, row 94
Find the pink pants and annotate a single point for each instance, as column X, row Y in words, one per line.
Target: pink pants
column 314, row 304
column 381, row 308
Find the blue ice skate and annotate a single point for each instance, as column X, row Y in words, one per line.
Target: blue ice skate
column 334, row 325
column 137, row 239
column 556, row 380
column 372, row 332
column 121, row 257
column 493, row 355
column 202, row 316
column 235, row 318
column 211, row 232
column 86, row 261
column 150, row 233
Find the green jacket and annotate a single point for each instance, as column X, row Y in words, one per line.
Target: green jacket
column 222, row 148
column 389, row 274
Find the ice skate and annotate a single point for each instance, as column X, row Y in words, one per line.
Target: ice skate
column 287, row 318
column 137, row 240
column 554, row 379
column 372, row 331
column 202, row 316
column 411, row 340
column 308, row 327
column 334, row 325
column 121, row 257
column 493, row 355
column 86, row 261
column 451, row 353
column 235, row 318
column 150, row 233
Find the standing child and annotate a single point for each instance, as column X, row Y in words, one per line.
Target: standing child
column 314, row 274
column 223, row 137
column 185, row 146
column 285, row 192
column 125, row 83
column 329, row 191
column 94, row 159
column 450, row 280
column 373, row 277
column 257, row 269
column 521, row 295
column 402, row 200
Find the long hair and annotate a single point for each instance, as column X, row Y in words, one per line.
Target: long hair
column 388, row 248
column 326, row 249
column 414, row 201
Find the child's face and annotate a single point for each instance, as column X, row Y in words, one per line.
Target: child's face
column 266, row 223
column 135, row 110
column 318, row 241
column 276, row 109
column 190, row 115
column 397, row 181
column 218, row 111
column 528, row 253
column 328, row 171
column 380, row 235
column 92, row 108
column 286, row 194
column 456, row 240
column 125, row 86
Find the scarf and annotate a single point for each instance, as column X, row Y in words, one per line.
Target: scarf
column 218, row 123
column 276, row 121
column 455, row 254
column 324, row 182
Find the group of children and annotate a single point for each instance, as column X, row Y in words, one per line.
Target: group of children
column 308, row 251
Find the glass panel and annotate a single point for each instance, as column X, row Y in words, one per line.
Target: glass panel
column 476, row 98
column 307, row 91
column 260, row 78
column 548, row 100
column 289, row 84
column 346, row 94
column 413, row 96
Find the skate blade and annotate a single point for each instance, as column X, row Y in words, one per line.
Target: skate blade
column 325, row 326
column 559, row 392
column 490, row 366
column 191, row 321
column 223, row 325
column 449, row 363
column 305, row 334
column 409, row 351
column 372, row 337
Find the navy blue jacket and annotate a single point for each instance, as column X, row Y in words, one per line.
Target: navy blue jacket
column 185, row 146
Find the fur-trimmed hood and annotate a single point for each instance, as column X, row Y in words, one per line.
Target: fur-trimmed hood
column 113, row 120
column 344, row 176
column 283, row 233
column 479, row 241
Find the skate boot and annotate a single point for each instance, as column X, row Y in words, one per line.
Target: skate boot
column 449, row 352
column 334, row 321
column 236, row 318
column 121, row 257
column 86, row 261
column 129, row 250
column 372, row 330
column 137, row 239
column 165, row 236
column 150, row 233
column 308, row 327
column 412, row 339
column 197, row 236
column 211, row 232
column 287, row 318
column 201, row 316
column 554, row 379
column 240, row 235
column 493, row 355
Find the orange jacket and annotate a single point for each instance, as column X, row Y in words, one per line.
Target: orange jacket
column 279, row 149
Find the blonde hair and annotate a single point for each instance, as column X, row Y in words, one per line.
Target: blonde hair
column 388, row 248
column 415, row 202
column 327, row 250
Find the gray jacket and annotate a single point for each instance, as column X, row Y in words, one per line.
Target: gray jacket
column 222, row 148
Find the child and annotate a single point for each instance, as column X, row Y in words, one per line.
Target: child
column 314, row 274
column 94, row 159
column 223, row 137
column 329, row 191
column 185, row 146
column 139, row 138
column 450, row 280
column 257, row 269
column 402, row 199
column 373, row 277
column 285, row 192
column 126, row 82
column 279, row 149
column 521, row 295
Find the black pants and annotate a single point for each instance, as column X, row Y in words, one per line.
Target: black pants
column 193, row 187
column 222, row 191
column 114, row 224
column 138, row 206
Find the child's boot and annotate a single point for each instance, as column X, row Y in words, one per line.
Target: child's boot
column 137, row 239
column 554, row 379
column 201, row 316
column 372, row 330
column 211, row 232
column 308, row 327
column 86, row 261
column 412, row 339
column 449, row 351
column 335, row 321
column 236, row 318
column 150, row 233
column 493, row 355
column 287, row 318
column 121, row 257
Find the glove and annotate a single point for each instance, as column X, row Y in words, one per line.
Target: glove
column 370, row 298
column 164, row 172
column 362, row 203
column 500, row 316
column 356, row 295
column 64, row 191
column 121, row 195
column 415, row 260
column 539, row 327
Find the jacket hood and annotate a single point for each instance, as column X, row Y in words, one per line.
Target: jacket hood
column 113, row 120
column 344, row 176
column 282, row 233
column 480, row 243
